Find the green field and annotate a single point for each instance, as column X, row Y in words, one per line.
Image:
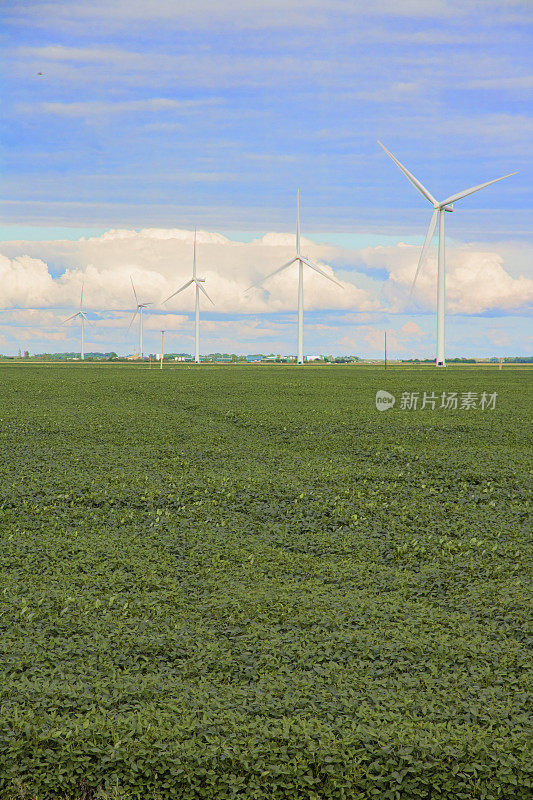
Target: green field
column 235, row 582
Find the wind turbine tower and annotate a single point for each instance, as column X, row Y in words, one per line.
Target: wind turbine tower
column 302, row 260
column 198, row 288
column 439, row 208
column 139, row 310
column 83, row 316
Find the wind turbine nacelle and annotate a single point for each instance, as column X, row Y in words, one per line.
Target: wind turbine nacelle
column 449, row 208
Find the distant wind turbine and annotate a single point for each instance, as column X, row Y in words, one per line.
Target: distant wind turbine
column 83, row 316
column 139, row 310
column 301, row 261
column 438, row 212
column 199, row 288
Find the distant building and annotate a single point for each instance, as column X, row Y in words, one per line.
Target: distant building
column 254, row 359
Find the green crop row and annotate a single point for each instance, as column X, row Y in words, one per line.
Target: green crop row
column 234, row 584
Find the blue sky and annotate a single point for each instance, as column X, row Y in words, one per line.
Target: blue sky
column 211, row 113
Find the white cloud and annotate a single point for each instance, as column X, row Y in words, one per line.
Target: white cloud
column 375, row 338
column 476, row 280
column 395, row 92
column 26, row 281
column 160, row 260
column 94, row 108
column 32, row 317
column 399, row 340
column 513, row 82
column 44, row 279
column 499, row 337
column 244, row 13
column 412, row 329
column 488, row 127
column 368, row 339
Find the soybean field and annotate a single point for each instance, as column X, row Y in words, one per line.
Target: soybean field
column 248, row 582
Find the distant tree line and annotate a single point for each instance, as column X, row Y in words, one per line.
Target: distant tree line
column 236, row 358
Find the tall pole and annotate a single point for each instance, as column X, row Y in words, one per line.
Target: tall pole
column 141, row 336
column 162, row 346
column 197, row 326
column 300, row 359
column 385, row 349
column 440, row 362
column 82, row 338
column 300, row 313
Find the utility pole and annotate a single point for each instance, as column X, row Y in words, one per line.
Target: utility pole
column 385, row 349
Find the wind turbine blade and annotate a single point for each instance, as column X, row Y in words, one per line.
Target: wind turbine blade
column 204, row 291
column 427, row 242
column 280, row 269
column 133, row 319
column 81, row 296
column 71, row 317
column 460, row 195
column 194, row 256
column 185, row 285
column 416, row 183
column 134, row 292
column 298, row 222
column 321, row 271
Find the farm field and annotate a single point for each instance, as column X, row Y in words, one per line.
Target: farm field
column 236, row 582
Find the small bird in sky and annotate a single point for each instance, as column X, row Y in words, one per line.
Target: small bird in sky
column 39, row 73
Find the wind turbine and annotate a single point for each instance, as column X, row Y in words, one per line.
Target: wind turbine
column 83, row 316
column 199, row 288
column 301, row 261
column 139, row 310
column 438, row 213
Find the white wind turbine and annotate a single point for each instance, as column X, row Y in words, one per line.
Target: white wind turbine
column 139, row 310
column 199, row 288
column 83, row 316
column 301, row 261
column 438, row 212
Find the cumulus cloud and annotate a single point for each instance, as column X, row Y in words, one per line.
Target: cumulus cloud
column 26, row 325
column 369, row 339
column 160, row 261
column 399, row 341
column 476, row 280
column 412, row 329
column 42, row 281
column 26, row 281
